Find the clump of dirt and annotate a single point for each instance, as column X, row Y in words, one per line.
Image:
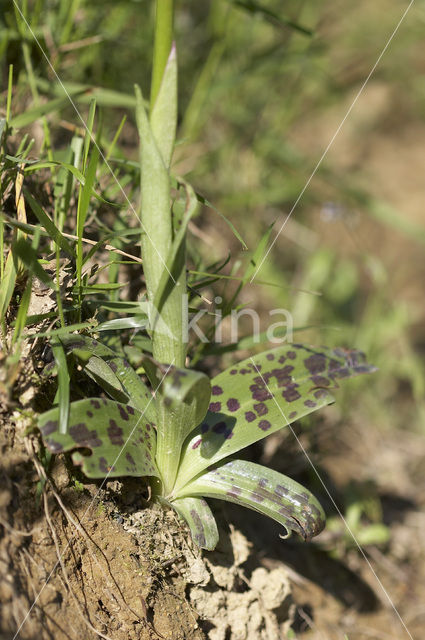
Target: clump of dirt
column 230, row 604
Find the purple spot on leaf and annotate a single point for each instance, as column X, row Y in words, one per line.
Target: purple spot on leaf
column 197, row 443
column 256, row 497
column 321, row 393
column 259, row 392
column 321, row 381
column 49, row 427
column 216, row 390
column 264, row 425
column 281, row 491
column 333, row 365
column 316, row 363
column 130, row 459
column 234, row 492
column 123, row 412
column 80, row 434
column 115, row 433
column 310, row 403
column 103, row 465
column 233, row 404
column 344, row 372
column 250, row 416
column 56, row 447
column 290, row 393
column 215, row 407
column 261, row 409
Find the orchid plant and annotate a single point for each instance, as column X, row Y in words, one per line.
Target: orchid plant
column 180, row 430
column 184, row 435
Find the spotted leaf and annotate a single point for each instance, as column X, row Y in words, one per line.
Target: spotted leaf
column 182, row 397
column 121, row 440
column 112, row 372
column 262, row 490
column 200, row 519
column 261, row 395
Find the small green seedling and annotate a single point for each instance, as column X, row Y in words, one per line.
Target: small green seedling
column 182, row 430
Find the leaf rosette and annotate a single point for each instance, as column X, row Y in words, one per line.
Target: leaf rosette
column 185, row 429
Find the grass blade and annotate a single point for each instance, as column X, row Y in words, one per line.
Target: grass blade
column 49, row 225
column 62, row 395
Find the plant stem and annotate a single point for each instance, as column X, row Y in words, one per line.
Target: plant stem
column 157, row 138
column 163, row 40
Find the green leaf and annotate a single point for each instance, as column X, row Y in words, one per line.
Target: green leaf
column 3, row 124
column 77, row 175
column 257, row 256
column 262, row 490
column 175, row 254
column 163, row 117
column 236, row 233
column 118, row 324
column 63, row 384
column 63, row 330
column 89, row 132
column 29, row 257
column 121, row 306
column 260, row 395
column 103, row 97
column 168, row 345
column 7, row 284
column 49, row 225
column 113, row 373
column 22, row 315
column 200, row 519
column 84, row 197
column 271, row 16
column 121, row 439
column 182, row 402
column 30, row 115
